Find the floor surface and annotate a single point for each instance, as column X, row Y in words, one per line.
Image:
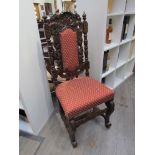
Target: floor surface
column 92, row 137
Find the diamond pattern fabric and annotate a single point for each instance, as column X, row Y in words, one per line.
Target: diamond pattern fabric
column 68, row 41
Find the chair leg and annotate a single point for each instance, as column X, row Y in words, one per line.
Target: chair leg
column 70, row 127
column 110, row 108
column 71, row 130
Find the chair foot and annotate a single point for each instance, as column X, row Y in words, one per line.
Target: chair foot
column 74, row 144
column 73, row 139
column 108, row 125
column 107, row 121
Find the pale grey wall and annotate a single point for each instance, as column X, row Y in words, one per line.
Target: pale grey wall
column 32, row 73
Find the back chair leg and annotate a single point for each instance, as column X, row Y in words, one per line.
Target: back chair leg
column 110, row 108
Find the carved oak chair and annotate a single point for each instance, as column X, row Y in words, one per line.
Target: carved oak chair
column 78, row 97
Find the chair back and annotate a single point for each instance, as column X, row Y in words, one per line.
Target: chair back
column 66, row 35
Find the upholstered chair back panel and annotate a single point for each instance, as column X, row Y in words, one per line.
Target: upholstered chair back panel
column 69, row 49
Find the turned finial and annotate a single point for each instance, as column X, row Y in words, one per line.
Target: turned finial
column 84, row 16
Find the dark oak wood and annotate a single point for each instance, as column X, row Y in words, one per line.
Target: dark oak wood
column 53, row 28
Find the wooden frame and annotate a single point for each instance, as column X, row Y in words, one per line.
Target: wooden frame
column 53, row 27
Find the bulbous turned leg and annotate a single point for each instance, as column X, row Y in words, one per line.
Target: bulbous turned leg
column 110, row 108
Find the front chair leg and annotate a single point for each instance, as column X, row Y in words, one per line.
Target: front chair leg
column 70, row 127
column 110, row 108
column 71, row 131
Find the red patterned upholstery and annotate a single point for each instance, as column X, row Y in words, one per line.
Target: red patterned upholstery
column 81, row 94
column 68, row 40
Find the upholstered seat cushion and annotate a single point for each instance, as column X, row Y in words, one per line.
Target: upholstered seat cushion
column 81, row 94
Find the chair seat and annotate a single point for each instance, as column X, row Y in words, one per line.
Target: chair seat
column 81, row 94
